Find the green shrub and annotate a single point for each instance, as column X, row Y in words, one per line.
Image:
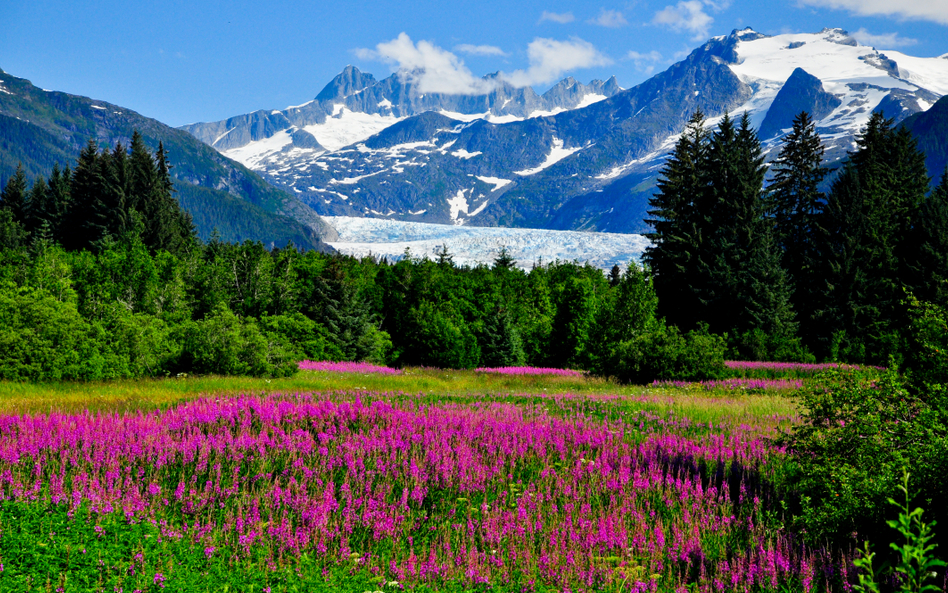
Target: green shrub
column 309, row 340
column 145, row 343
column 666, row 353
column 43, row 339
column 847, row 455
column 758, row 345
column 440, row 338
column 224, row 344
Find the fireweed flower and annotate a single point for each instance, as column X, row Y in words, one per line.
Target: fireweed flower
column 346, row 367
column 530, row 371
column 501, row 491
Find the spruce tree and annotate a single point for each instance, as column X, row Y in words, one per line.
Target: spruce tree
column 86, row 191
column 927, row 261
column 501, row 345
column 796, row 204
column 57, row 203
column 672, row 256
column 868, row 220
column 37, row 207
column 13, row 198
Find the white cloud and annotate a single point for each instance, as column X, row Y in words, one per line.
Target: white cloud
column 933, row 10
column 883, row 41
column 557, row 17
column 550, row 58
column 644, row 62
column 687, row 15
column 609, row 18
column 430, row 68
column 480, row 50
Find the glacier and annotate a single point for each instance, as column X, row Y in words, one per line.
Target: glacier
column 379, row 237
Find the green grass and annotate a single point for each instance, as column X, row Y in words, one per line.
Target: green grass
column 160, row 393
column 46, row 548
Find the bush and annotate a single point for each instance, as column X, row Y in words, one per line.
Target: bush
column 43, row 339
column 310, row 340
column 440, row 338
column 665, row 354
column 847, row 456
column 760, row 346
column 224, row 344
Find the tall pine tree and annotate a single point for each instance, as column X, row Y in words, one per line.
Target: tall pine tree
column 868, row 220
column 675, row 237
column 796, row 205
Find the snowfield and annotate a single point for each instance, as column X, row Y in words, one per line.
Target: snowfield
column 475, row 245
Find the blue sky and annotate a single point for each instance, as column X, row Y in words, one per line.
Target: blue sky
column 186, row 61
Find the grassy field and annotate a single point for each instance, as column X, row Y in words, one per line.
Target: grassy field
column 429, row 480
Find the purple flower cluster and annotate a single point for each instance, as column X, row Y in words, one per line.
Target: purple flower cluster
column 530, row 371
column 482, row 492
column 790, row 367
column 735, row 384
column 346, row 367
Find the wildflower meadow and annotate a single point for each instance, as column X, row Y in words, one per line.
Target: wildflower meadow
column 360, row 490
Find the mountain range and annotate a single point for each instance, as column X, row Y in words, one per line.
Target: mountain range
column 581, row 157
column 41, row 128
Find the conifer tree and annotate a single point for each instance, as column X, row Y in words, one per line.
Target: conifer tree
column 13, row 198
column 927, row 261
column 501, row 345
column 796, row 204
column 672, row 256
column 57, row 203
column 38, row 206
column 867, row 219
column 86, row 191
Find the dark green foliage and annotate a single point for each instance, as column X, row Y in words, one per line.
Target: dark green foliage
column 927, row 249
column 675, row 212
column 757, row 344
column 714, row 256
column 43, row 339
column 666, row 353
column 848, row 455
column 500, row 341
column 859, row 434
column 14, row 195
column 796, row 202
column 441, row 338
column 868, row 223
column 224, row 344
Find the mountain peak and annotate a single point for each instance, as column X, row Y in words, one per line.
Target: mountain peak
column 746, row 34
column 838, row 35
column 348, row 82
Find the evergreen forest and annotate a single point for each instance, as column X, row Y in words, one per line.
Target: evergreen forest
column 102, row 275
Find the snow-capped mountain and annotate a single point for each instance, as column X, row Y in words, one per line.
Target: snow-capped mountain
column 355, row 106
column 485, row 161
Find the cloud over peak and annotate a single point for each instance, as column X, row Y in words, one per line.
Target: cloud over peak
column 550, row 59
column 934, row 10
column 687, row 15
column 432, row 69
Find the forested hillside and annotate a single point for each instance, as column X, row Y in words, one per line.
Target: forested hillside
column 40, row 129
column 102, row 275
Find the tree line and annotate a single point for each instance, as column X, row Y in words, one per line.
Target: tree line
column 786, row 269
column 101, row 275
